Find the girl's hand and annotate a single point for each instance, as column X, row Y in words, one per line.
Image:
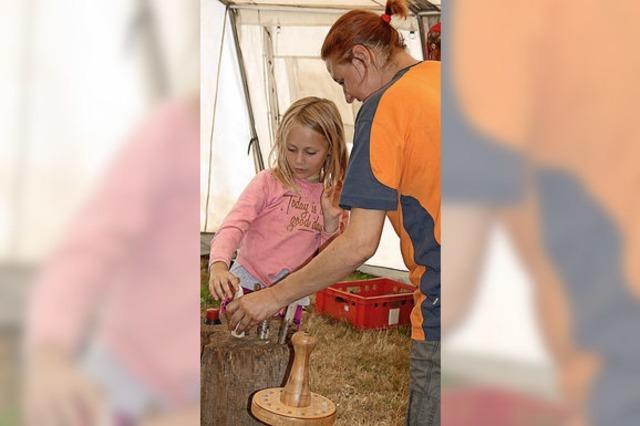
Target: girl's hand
column 330, row 208
column 222, row 283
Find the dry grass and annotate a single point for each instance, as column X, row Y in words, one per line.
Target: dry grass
column 366, row 373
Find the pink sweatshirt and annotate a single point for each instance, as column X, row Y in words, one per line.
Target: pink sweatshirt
column 130, row 261
column 273, row 227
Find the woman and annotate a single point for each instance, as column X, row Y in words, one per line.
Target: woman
column 394, row 170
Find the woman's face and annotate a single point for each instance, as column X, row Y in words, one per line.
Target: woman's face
column 358, row 78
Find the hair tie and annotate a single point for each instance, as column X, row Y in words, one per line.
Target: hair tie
column 386, row 18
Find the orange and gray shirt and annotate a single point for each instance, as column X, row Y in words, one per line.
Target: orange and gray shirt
column 546, row 125
column 395, row 167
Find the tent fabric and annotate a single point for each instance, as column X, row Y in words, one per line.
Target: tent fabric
column 225, row 166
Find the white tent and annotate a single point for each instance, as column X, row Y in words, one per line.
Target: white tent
column 257, row 58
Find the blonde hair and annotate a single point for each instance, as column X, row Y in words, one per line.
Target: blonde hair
column 322, row 116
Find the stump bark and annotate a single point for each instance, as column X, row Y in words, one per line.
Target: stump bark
column 232, row 370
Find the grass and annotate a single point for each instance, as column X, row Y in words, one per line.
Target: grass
column 365, row 373
column 206, row 301
column 358, row 275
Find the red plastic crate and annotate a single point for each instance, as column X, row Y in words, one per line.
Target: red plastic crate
column 368, row 304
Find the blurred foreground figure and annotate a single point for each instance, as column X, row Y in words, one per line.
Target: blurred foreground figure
column 112, row 334
column 540, row 131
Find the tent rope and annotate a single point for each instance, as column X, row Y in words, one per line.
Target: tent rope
column 257, row 153
column 213, row 121
column 251, row 142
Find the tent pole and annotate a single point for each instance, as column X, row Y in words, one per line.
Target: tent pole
column 253, row 143
column 423, row 38
column 431, row 15
column 272, row 93
column 303, row 9
column 436, row 13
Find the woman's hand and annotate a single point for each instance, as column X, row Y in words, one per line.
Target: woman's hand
column 331, row 211
column 252, row 308
column 222, row 283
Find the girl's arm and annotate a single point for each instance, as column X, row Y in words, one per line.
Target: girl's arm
column 228, row 237
column 222, row 283
column 105, row 238
column 353, row 247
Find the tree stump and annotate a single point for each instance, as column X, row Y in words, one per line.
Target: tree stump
column 233, row 369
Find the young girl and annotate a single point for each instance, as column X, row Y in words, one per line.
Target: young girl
column 288, row 212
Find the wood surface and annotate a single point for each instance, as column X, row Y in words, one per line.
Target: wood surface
column 233, row 369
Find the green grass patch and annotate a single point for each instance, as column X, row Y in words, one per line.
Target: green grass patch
column 206, row 301
column 358, row 275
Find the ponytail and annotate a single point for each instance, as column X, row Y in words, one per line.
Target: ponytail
column 365, row 28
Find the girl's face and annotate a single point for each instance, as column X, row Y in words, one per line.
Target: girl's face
column 306, row 151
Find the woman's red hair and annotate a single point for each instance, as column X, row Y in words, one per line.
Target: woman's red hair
column 365, row 28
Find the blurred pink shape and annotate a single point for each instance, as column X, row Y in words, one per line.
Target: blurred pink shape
column 127, row 273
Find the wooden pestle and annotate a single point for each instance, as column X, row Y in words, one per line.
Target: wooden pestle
column 295, row 404
column 296, row 392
